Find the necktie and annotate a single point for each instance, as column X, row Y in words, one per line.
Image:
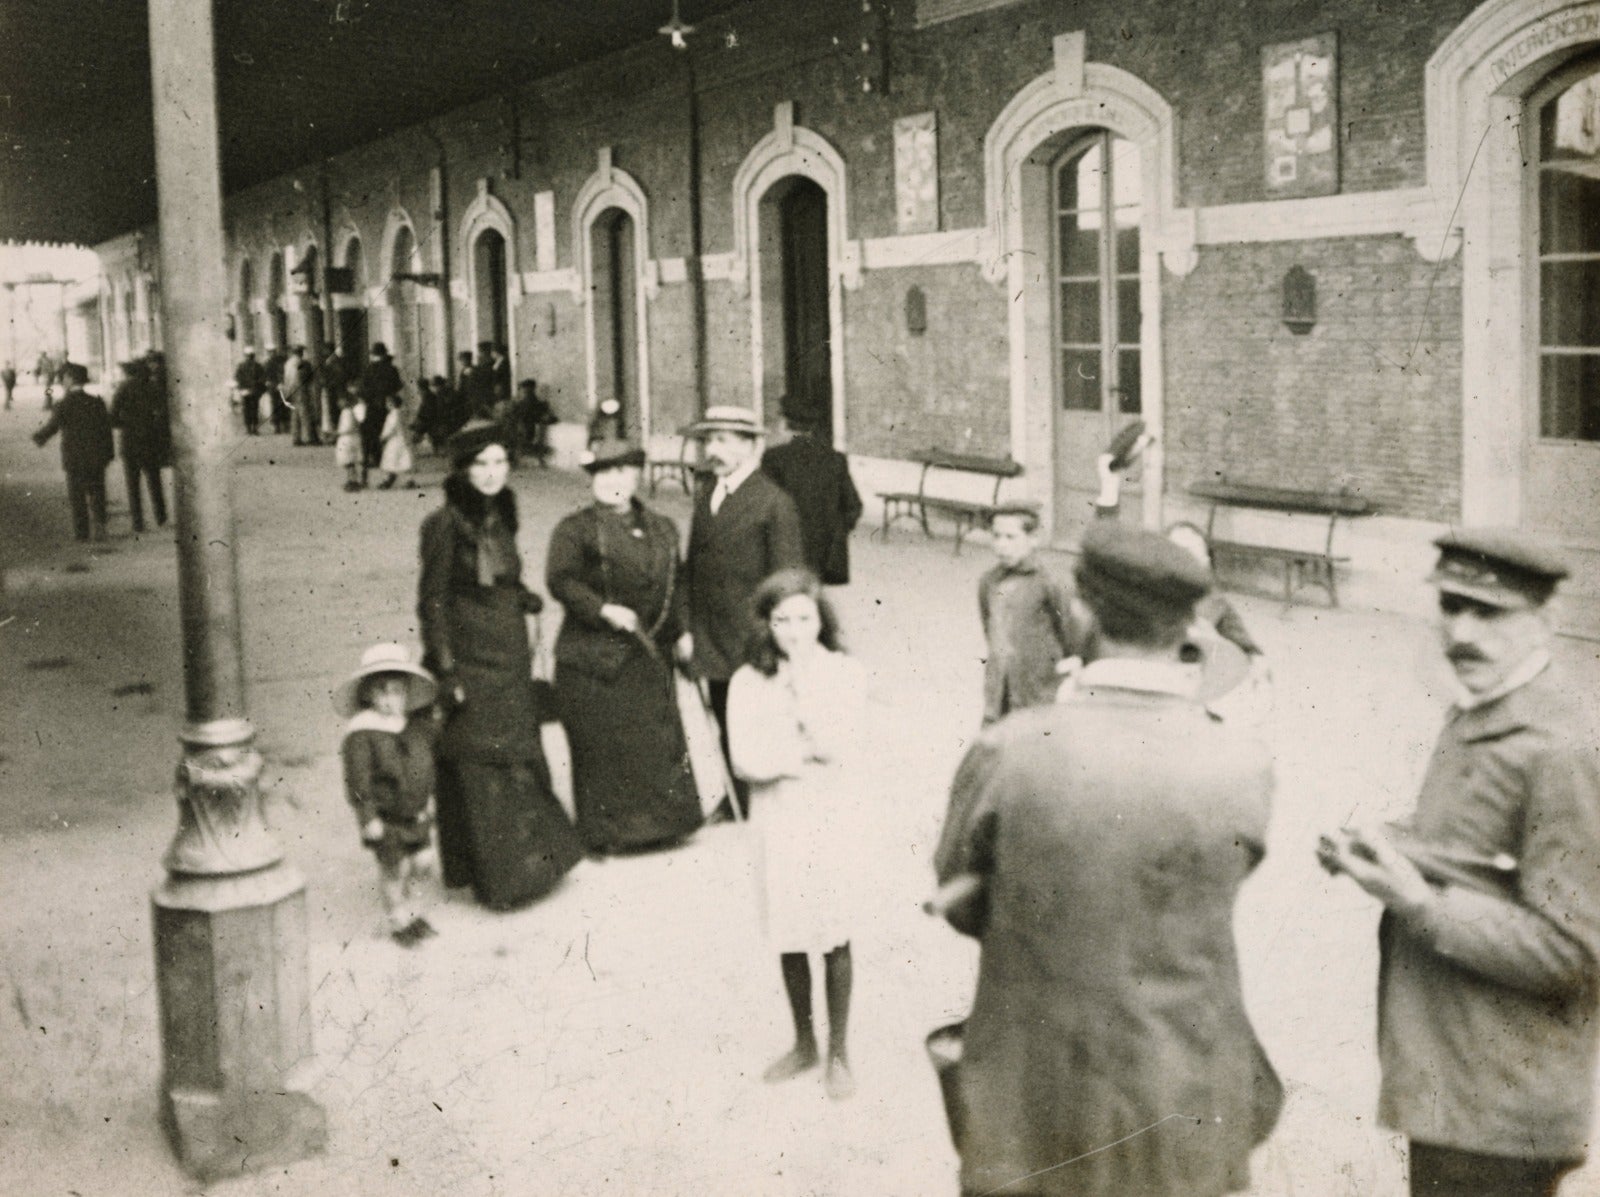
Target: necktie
column 719, row 495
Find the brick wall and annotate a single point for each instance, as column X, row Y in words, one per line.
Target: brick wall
column 1362, row 399
column 1370, row 399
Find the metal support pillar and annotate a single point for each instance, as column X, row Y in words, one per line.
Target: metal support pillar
column 230, row 921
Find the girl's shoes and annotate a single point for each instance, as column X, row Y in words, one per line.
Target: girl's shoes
column 839, row 1082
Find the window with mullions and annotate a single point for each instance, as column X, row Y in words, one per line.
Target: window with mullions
column 1569, row 262
column 1097, row 274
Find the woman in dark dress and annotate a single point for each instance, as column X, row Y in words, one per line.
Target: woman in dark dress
column 614, row 566
column 501, row 829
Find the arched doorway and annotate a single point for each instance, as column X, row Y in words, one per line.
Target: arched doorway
column 312, row 331
column 352, row 307
column 797, row 328
column 613, row 290
column 277, row 303
column 1095, row 195
column 491, row 310
column 1561, row 465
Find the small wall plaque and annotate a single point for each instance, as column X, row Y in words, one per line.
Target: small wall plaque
column 916, row 311
column 1299, row 300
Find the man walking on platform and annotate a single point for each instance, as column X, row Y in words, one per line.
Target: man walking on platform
column 136, row 409
column 250, row 380
column 8, row 379
column 86, row 451
column 817, row 477
column 743, row 531
column 1488, row 1015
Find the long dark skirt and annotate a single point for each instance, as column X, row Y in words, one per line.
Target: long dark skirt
column 502, row 831
column 631, row 782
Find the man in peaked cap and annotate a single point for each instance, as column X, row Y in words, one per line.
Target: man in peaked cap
column 744, row 530
column 1099, row 844
column 1490, row 936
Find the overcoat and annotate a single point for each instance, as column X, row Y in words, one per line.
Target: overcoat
column 632, row 784
column 754, row 533
column 1028, row 624
column 85, row 427
column 138, row 409
column 1488, row 1018
column 501, row 828
column 1108, row 1053
column 817, row 477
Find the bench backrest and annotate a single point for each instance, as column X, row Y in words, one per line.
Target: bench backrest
column 966, row 478
column 1305, row 532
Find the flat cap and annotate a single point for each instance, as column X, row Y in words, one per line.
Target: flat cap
column 1129, row 567
column 1503, row 567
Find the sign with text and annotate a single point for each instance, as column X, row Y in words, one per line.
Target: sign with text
column 1300, row 94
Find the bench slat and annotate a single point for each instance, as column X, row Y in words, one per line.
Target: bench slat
column 1282, row 498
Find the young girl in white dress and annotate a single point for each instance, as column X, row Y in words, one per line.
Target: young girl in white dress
column 795, row 715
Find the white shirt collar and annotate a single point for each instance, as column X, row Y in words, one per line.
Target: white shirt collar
column 1127, row 673
column 367, row 719
column 732, row 480
column 1531, row 667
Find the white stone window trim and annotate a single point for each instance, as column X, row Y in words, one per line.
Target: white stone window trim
column 607, row 188
column 791, row 149
column 1477, row 86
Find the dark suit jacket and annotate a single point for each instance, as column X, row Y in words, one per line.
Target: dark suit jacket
column 817, row 478
column 755, row 533
column 85, row 428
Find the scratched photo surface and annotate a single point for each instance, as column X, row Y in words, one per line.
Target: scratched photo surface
column 1338, row 259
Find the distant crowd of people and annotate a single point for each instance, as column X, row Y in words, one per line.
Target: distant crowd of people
column 363, row 409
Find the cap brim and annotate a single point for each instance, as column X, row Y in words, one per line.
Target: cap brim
column 1504, row 598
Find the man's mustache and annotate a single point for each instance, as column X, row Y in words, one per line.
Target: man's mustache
column 1460, row 653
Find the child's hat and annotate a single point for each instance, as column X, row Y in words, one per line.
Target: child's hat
column 386, row 658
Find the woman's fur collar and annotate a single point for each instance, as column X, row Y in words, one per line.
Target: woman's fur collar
column 474, row 506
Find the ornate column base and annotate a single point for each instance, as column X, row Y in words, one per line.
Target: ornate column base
column 232, row 973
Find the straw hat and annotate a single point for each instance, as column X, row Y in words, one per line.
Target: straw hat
column 727, row 418
column 386, row 658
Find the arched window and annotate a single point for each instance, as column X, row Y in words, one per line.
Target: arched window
column 1568, row 236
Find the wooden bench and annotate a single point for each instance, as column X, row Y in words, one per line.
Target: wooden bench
column 946, row 487
column 672, row 457
column 1299, row 531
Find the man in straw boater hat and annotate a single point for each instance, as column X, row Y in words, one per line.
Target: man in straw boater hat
column 1490, row 939
column 1096, row 847
column 744, row 530
column 387, row 752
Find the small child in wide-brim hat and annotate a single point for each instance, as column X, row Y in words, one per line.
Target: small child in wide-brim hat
column 388, row 775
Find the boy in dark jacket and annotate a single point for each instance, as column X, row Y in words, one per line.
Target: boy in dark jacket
column 1027, row 619
column 86, row 451
column 388, row 775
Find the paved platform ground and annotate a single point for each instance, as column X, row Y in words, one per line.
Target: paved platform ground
column 610, row 1039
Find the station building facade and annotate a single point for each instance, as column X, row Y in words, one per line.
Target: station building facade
column 1349, row 245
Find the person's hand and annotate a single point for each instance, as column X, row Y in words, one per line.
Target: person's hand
column 685, row 648
column 1372, row 861
column 425, row 862
column 624, row 619
column 372, row 831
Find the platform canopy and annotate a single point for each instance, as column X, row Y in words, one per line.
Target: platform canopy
column 299, row 80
